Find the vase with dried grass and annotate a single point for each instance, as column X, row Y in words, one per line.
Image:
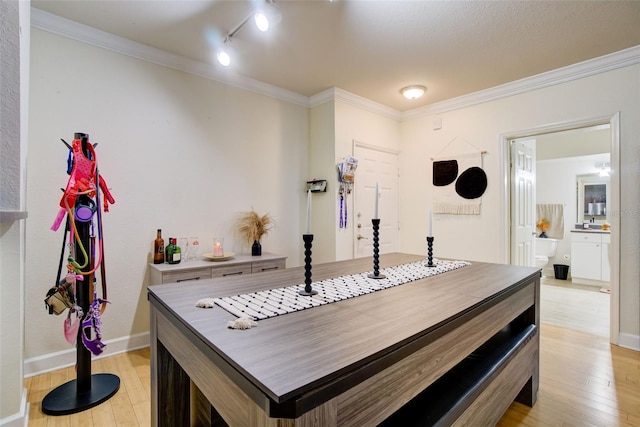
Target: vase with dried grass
column 252, row 226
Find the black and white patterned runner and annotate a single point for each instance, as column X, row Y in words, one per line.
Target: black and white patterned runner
column 276, row 302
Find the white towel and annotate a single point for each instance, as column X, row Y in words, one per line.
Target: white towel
column 554, row 213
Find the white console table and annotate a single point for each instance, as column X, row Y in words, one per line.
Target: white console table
column 202, row 269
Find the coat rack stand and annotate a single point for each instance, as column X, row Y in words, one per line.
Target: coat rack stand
column 87, row 390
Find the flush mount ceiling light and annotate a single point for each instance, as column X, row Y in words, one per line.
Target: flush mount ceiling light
column 265, row 17
column 413, row 91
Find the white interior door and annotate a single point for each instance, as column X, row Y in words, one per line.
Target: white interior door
column 523, row 201
column 375, row 165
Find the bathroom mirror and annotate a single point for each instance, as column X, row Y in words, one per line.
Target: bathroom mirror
column 592, row 196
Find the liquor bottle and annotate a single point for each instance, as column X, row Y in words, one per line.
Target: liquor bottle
column 173, row 252
column 177, row 252
column 158, row 249
column 168, row 252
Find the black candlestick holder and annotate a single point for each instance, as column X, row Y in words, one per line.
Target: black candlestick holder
column 308, row 290
column 430, row 251
column 376, row 258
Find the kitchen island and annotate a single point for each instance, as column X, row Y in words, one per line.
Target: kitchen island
column 466, row 342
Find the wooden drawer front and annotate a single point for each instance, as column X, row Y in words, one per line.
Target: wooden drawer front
column 231, row 270
column 586, row 237
column 606, row 238
column 183, row 276
column 260, row 266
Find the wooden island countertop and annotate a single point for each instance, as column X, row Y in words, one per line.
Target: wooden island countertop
column 353, row 362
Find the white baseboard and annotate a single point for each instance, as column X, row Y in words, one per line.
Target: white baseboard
column 62, row 359
column 21, row 419
column 629, row 341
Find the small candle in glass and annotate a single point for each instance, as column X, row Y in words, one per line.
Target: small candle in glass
column 218, row 250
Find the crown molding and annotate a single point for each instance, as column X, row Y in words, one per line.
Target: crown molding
column 338, row 94
column 70, row 29
column 54, row 24
column 613, row 61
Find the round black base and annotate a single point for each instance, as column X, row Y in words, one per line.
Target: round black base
column 373, row 276
column 65, row 399
column 308, row 294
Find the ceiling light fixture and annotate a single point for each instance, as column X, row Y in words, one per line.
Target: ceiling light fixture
column 265, row 17
column 603, row 168
column 413, row 91
column 223, row 55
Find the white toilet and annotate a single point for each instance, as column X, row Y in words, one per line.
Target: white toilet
column 545, row 249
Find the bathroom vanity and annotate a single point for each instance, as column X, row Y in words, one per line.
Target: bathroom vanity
column 590, row 256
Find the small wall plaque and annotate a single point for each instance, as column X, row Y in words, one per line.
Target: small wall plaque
column 317, row 185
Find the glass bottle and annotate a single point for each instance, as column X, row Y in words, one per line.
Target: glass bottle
column 177, row 252
column 173, row 252
column 158, row 249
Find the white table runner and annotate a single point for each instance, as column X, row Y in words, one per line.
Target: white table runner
column 276, row 302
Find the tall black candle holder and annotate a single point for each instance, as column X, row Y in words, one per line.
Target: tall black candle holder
column 308, row 290
column 376, row 258
column 430, row 251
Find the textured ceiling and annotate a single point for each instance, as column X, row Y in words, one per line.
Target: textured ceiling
column 374, row 48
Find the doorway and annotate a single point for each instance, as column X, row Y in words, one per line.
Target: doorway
column 375, row 166
column 512, row 191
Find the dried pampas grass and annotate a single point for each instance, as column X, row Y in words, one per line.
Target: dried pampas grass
column 251, row 226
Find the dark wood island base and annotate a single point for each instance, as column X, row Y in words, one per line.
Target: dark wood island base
column 452, row 349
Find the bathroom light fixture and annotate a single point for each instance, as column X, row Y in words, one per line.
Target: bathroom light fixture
column 265, row 17
column 603, row 168
column 413, row 91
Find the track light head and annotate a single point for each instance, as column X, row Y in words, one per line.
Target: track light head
column 261, row 20
column 267, row 16
column 224, row 58
column 224, row 53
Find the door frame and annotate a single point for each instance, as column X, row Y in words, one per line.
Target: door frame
column 614, row 122
column 355, row 143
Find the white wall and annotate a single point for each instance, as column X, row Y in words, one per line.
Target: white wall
column 484, row 125
column 179, row 152
column 556, row 183
column 321, row 166
column 14, row 90
column 354, row 123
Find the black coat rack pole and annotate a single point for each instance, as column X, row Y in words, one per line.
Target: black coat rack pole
column 83, row 288
column 87, row 390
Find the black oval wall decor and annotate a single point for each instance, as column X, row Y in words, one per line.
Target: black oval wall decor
column 471, row 183
column 444, row 172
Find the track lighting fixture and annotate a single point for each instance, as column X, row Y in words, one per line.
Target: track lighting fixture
column 265, row 17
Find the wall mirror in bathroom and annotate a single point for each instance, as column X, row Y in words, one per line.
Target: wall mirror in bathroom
column 592, row 196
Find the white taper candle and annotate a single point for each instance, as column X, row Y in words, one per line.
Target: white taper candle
column 308, row 211
column 430, row 223
column 375, row 214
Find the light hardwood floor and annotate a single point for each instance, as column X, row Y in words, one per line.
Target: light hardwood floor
column 130, row 406
column 584, row 381
column 579, row 307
